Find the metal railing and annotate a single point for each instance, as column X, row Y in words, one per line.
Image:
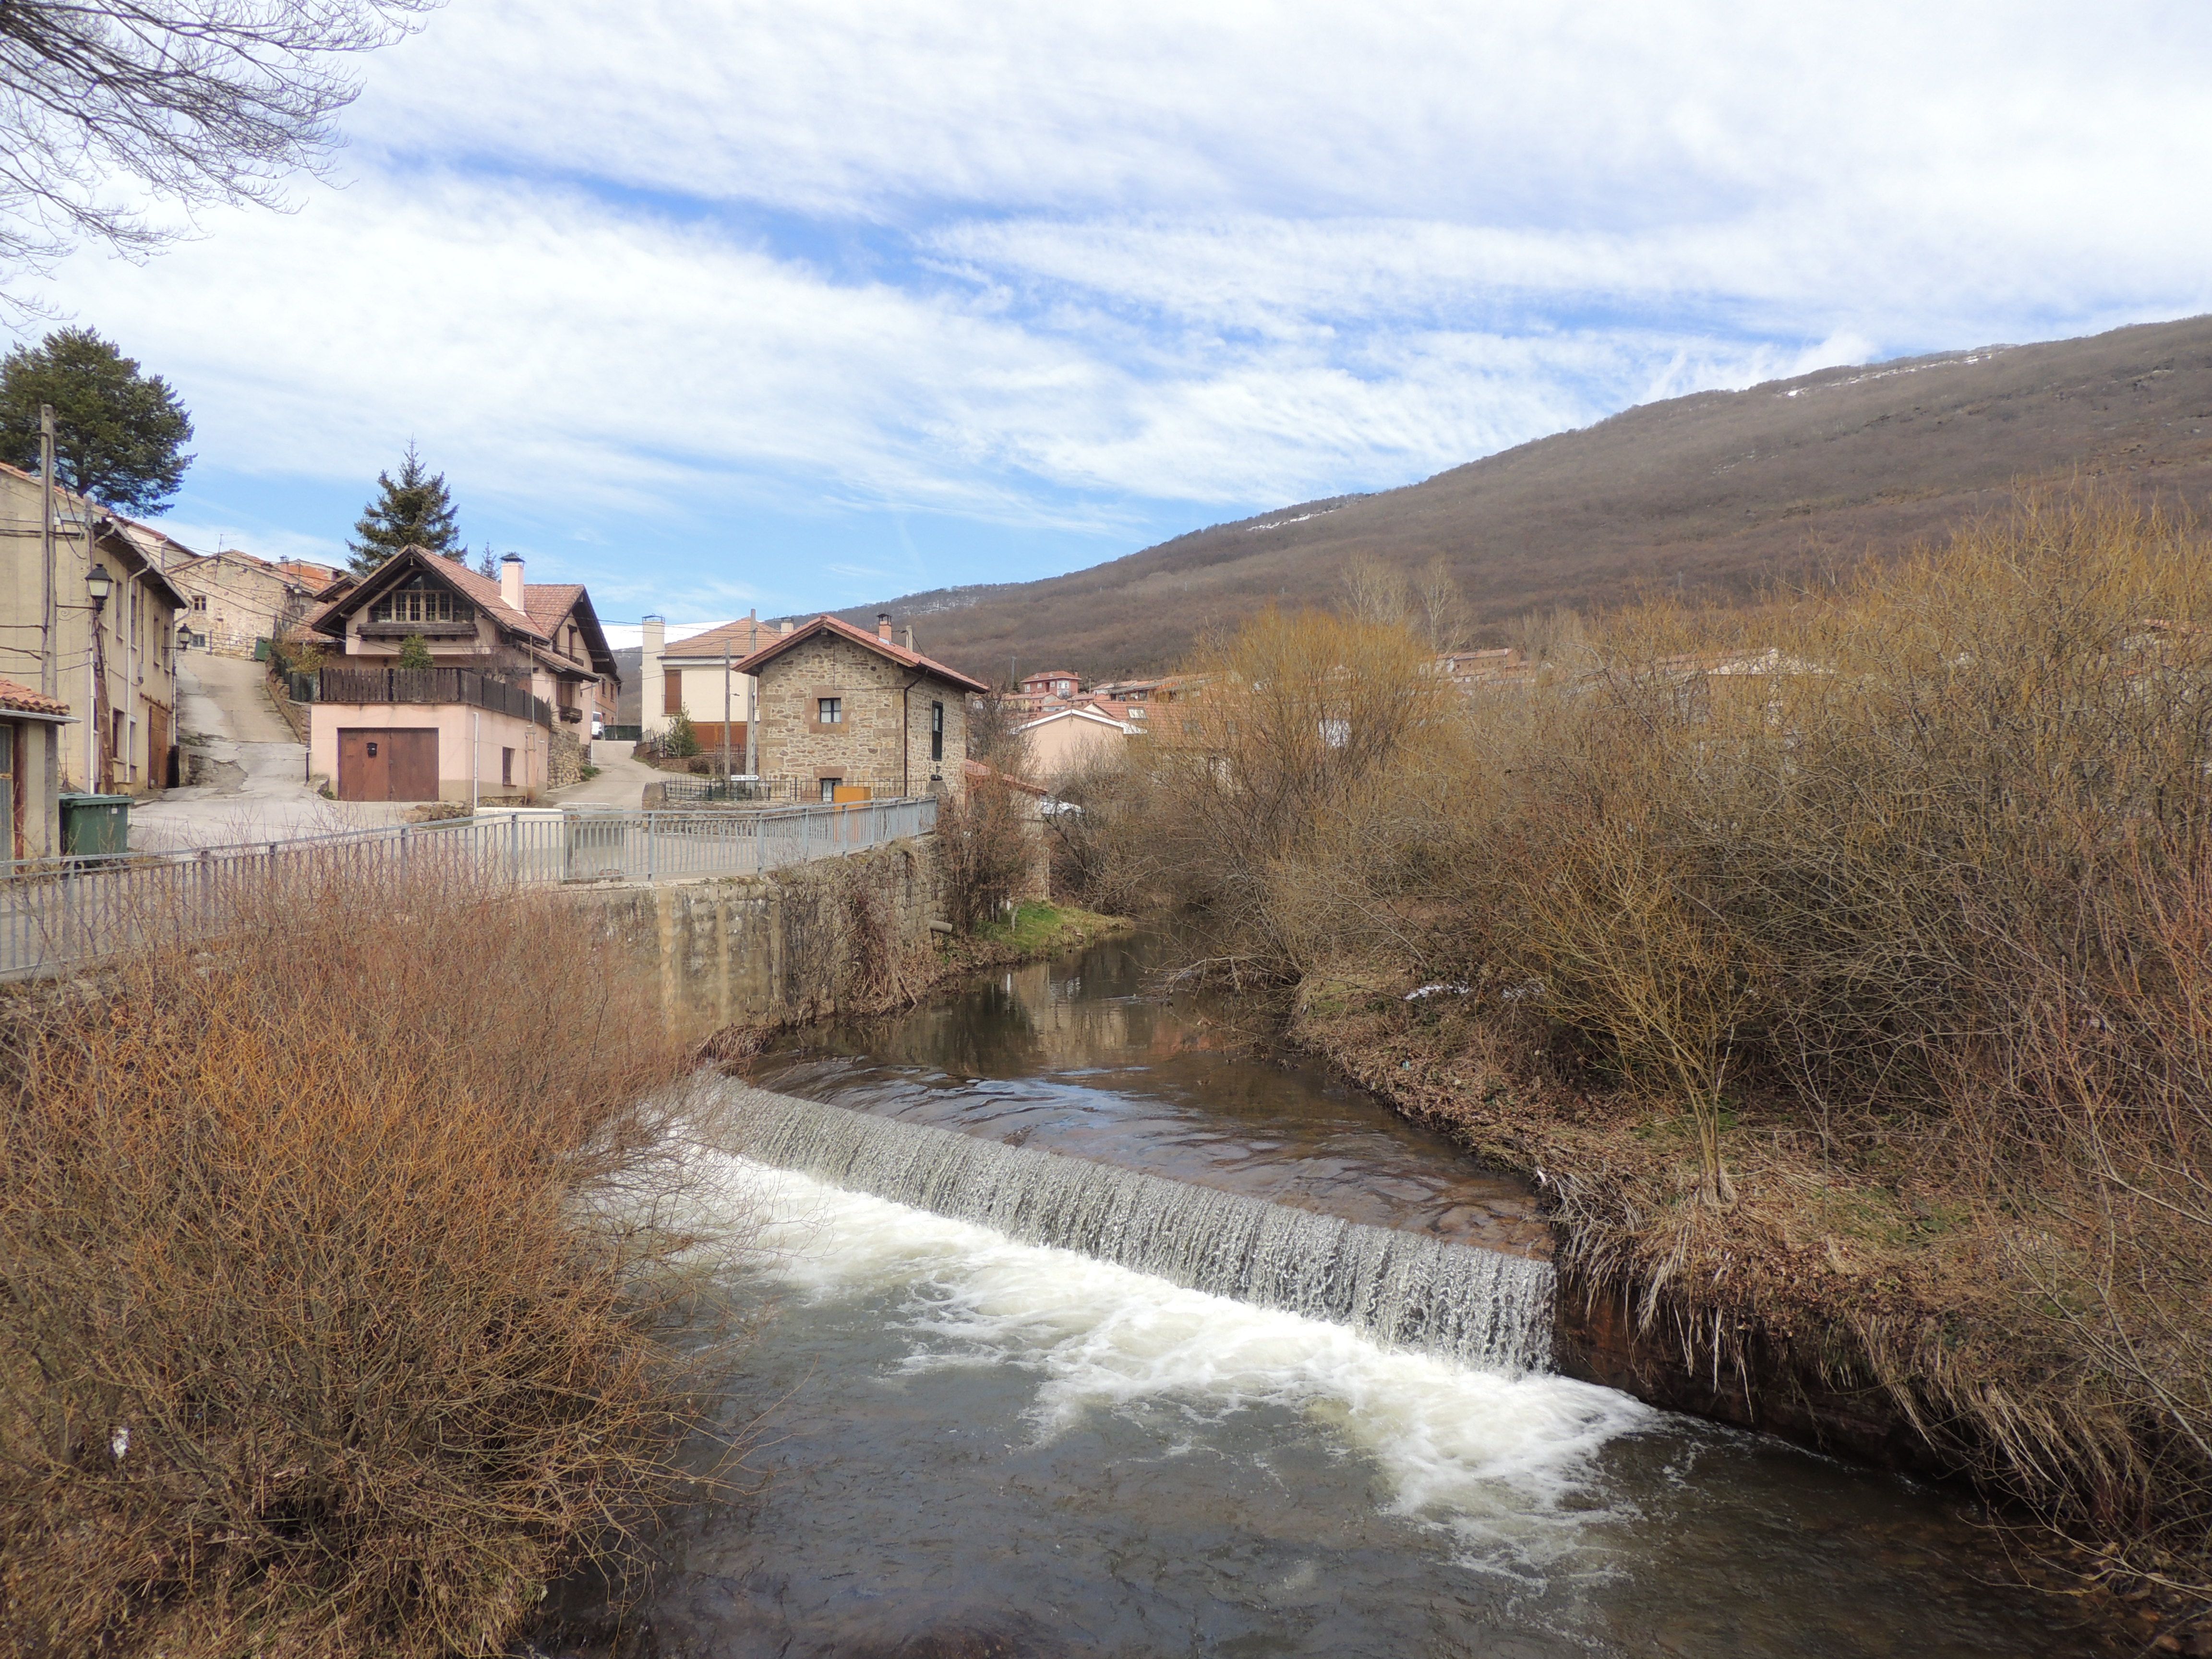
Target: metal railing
column 56, row 914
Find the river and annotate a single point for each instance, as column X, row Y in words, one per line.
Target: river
column 980, row 1440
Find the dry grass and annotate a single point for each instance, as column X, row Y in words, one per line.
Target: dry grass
column 338, row 1317
column 1842, row 956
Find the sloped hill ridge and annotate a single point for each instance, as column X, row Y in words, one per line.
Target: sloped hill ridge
column 1719, row 491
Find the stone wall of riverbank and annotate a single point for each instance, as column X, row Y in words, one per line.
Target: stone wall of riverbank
column 838, row 936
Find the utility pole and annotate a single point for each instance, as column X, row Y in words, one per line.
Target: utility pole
column 725, row 711
column 752, row 698
column 49, row 667
column 49, row 664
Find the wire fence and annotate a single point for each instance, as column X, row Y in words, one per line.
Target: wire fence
column 59, row 915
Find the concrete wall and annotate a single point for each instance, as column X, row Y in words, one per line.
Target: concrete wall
column 840, row 935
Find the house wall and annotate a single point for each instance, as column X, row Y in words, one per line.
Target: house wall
column 699, row 685
column 34, row 823
column 464, row 735
column 940, row 777
column 137, row 638
column 1061, row 746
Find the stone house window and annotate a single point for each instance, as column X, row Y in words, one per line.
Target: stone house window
column 829, row 711
column 829, row 788
column 937, row 731
column 199, row 601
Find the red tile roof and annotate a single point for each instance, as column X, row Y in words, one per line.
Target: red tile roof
column 875, row 642
column 744, row 636
column 22, row 700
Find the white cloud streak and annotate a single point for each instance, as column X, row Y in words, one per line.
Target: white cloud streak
column 1037, row 266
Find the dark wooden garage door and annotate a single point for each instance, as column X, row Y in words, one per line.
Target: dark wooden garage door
column 387, row 762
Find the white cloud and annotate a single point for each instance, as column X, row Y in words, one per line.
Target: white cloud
column 1039, row 267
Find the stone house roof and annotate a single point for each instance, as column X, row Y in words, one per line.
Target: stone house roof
column 876, row 642
column 19, row 699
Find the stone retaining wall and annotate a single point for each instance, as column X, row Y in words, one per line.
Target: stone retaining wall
column 836, row 936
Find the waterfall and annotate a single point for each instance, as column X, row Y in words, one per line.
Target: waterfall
column 1479, row 1307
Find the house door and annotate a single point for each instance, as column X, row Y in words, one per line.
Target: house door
column 387, row 762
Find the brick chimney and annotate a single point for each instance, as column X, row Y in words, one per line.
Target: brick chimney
column 883, row 627
column 510, row 580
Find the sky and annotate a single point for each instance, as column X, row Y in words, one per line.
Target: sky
column 791, row 306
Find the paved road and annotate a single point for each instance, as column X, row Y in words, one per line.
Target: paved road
column 621, row 781
column 254, row 782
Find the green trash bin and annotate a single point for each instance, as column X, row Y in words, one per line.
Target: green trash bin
column 95, row 823
column 261, row 651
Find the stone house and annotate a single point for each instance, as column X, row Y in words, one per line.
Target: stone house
column 848, row 714
column 236, row 599
column 520, row 673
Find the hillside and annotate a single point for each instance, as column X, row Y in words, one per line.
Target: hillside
column 1716, row 492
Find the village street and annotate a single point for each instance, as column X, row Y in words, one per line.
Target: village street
column 253, row 771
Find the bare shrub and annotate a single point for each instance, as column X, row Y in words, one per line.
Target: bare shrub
column 986, row 849
column 1872, row 927
column 341, row 1313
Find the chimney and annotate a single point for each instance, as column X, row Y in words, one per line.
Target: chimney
column 906, row 637
column 783, row 628
column 656, row 636
column 883, row 627
column 510, row 580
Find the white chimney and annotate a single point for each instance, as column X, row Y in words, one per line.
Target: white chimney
column 510, row 580
column 906, row 636
column 783, row 628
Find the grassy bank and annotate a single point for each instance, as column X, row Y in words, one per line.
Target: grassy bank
column 337, row 1317
column 1839, row 961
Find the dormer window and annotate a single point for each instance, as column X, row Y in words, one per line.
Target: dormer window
column 417, row 602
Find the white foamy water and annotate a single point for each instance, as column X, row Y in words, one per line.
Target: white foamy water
column 1500, row 1459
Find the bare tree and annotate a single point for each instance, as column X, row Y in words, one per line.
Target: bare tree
column 198, row 101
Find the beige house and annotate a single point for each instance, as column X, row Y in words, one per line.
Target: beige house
column 234, row 600
column 520, row 673
column 107, row 651
column 1073, row 738
column 699, row 677
column 848, row 714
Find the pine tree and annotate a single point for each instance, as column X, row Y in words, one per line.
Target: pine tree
column 487, row 562
column 118, row 435
column 412, row 511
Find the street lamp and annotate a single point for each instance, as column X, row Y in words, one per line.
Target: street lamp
column 98, row 584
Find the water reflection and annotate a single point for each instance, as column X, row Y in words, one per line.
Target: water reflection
column 1088, row 1056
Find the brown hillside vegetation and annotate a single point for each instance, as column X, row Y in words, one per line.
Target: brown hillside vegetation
column 1842, row 962
column 1715, row 495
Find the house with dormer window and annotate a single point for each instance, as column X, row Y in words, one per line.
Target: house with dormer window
column 518, row 675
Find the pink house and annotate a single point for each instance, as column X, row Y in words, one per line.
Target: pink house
column 519, row 677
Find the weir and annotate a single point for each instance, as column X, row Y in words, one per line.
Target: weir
column 1480, row 1307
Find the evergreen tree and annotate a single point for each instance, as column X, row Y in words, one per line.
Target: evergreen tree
column 487, row 562
column 413, row 510
column 118, row 435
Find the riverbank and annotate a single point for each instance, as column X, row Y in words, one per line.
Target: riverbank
column 1824, row 1305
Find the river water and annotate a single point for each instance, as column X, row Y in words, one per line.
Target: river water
column 980, row 1440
